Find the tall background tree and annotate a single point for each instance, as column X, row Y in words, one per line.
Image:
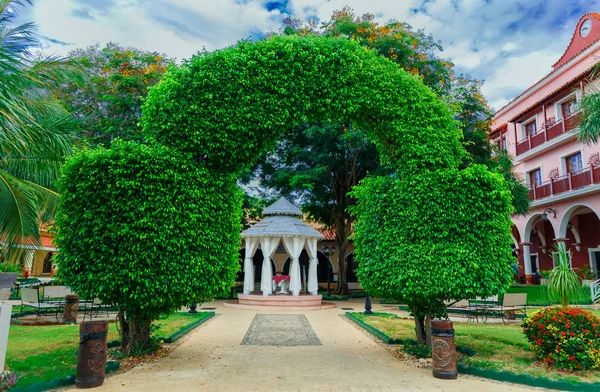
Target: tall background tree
column 320, row 163
column 589, row 130
column 108, row 98
column 36, row 132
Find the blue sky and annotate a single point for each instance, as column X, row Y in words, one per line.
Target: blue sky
column 509, row 43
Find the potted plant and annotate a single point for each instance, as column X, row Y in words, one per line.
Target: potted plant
column 586, row 275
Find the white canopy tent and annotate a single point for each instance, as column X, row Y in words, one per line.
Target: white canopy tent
column 281, row 225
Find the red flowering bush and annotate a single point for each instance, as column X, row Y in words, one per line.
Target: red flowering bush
column 565, row 338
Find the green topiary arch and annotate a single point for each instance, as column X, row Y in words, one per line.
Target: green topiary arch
column 139, row 222
column 229, row 106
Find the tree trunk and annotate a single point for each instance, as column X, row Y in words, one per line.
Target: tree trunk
column 420, row 330
column 135, row 334
column 342, row 232
column 342, row 282
column 428, row 329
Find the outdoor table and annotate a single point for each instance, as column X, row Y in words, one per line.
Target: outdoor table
column 282, row 281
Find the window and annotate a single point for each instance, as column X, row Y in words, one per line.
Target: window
column 555, row 256
column 568, row 108
column 530, row 129
column 574, row 163
column 503, row 143
column 535, row 177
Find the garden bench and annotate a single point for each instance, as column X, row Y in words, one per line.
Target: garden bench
column 511, row 304
column 94, row 308
column 56, row 292
column 31, row 298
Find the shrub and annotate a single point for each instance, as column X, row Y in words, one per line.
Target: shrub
column 8, row 380
column 146, row 229
column 565, row 338
column 413, row 347
column 563, row 282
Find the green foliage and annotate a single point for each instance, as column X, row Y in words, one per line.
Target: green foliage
column 109, row 95
column 563, row 282
column 36, row 132
column 412, row 347
column 146, row 228
column 589, row 129
column 433, row 237
column 565, row 338
column 545, row 273
column 230, row 106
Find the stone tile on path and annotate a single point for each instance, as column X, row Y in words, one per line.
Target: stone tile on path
column 213, row 359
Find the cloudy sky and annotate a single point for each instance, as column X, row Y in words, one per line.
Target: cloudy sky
column 508, row 43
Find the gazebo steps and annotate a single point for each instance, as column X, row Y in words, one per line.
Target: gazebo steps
column 279, row 302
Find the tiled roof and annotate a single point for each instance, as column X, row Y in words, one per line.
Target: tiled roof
column 281, row 225
column 282, row 207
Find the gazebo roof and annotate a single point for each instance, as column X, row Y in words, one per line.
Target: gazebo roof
column 280, row 221
column 282, row 207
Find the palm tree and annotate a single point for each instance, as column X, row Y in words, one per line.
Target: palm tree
column 589, row 129
column 36, row 132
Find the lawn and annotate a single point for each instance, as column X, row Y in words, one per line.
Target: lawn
column 538, row 295
column 44, row 353
column 498, row 346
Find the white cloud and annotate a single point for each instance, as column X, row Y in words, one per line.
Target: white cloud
column 509, row 43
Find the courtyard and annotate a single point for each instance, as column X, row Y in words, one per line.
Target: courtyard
column 345, row 358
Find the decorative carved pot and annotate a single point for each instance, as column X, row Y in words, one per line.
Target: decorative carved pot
column 443, row 351
column 91, row 360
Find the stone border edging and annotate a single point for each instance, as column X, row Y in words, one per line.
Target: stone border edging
column 525, row 379
column 183, row 330
column 111, row 366
column 175, row 335
column 504, row 376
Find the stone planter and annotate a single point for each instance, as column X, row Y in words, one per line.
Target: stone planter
column 6, row 283
column 544, row 282
column 587, row 282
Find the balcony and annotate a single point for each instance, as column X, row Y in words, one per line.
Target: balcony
column 551, row 131
column 570, row 182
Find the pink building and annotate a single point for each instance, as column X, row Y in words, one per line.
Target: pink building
column 539, row 130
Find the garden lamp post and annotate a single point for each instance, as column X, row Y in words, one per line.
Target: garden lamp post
column 328, row 251
column 368, row 305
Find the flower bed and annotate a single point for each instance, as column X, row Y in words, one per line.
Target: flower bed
column 565, row 338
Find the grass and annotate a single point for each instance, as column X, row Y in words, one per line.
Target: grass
column 44, row 353
column 538, row 295
column 498, row 346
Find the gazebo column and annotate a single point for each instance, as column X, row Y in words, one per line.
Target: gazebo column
column 268, row 246
column 294, row 245
column 313, row 281
column 251, row 245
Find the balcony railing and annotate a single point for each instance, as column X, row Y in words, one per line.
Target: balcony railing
column 550, row 132
column 572, row 181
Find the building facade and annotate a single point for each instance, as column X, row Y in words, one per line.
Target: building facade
column 539, row 130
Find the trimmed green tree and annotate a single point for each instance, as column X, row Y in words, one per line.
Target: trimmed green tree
column 433, row 237
column 136, row 230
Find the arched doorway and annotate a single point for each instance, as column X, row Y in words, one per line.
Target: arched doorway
column 580, row 229
column 352, row 265
column 47, row 265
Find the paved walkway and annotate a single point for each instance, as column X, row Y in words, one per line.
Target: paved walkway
column 212, row 359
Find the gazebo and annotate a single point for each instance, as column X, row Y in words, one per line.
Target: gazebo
column 281, row 225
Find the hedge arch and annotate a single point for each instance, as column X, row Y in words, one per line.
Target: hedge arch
column 229, row 106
